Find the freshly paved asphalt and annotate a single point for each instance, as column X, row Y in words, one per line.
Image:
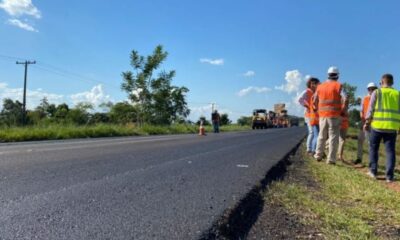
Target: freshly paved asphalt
column 163, row 187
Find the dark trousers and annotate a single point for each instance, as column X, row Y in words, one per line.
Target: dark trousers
column 389, row 139
column 216, row 127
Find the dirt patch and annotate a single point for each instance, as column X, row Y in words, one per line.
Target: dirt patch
column 275, row 222
column 395, row 186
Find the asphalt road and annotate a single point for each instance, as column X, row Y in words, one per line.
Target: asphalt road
column 163, row 187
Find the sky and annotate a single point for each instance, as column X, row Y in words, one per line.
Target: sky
column 241, row 55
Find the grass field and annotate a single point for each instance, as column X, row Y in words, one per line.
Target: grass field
column 341, row 201
column 52, row 132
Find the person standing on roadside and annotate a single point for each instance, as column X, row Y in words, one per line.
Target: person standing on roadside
column 343, row 128
column 383, row 122
column 362, row 135
column 328, row 102
column 216, row 118
column 305, row 100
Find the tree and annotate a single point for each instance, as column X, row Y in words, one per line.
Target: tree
column 123, row 112
column 354, row 117
column 155, row 99
column 61, row 112
column 225, row 119
column 79, row 114
column 244, row 121
column 11, row 115
column 350, row 91
column 205, row 121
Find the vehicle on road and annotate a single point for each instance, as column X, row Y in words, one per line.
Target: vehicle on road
column 260, row 119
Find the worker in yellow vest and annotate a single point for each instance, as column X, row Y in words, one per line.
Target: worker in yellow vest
column 362, row 135
column 383, row 120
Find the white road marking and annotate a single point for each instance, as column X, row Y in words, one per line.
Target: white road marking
column 242, row 166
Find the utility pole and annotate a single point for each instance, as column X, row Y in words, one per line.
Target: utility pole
column 213, row 107
column 26, row 63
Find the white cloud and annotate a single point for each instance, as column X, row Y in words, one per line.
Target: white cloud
column 33, row 97
column 17, row 8
column 23, row 25
column 249, row 74
column 95, row 96
column 249, row 90
column 219, row 61
column 293, row 81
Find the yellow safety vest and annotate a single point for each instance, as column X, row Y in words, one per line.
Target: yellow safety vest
column 387, row 109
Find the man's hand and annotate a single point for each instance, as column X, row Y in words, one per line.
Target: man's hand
column 367, row 127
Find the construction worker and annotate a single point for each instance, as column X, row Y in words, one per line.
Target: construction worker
column 362, row 135
column 314, row 118
column 305, row 100
column 216, row 118
column 383, row 122
column 328, row 102
column 343, row 129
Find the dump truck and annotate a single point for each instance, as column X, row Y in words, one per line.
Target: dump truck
column 282, row 119
column 260, row 119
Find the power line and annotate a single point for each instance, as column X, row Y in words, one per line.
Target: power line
column 11, row 57
column 59, row 71
column 73, row 76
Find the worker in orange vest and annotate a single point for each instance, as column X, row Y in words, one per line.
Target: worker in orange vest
column 314, row 120
column 362, row 135
column 305, row 100
column 343, row 128
column 328, row 101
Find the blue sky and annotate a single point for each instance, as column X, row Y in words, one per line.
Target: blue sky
column 240, row 54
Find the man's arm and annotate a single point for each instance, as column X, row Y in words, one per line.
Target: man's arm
column 303, row 99
column 370, row 112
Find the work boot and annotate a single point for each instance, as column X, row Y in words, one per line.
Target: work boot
column 357, row 161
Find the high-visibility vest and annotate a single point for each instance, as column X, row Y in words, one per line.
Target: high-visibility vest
column 345, row 121
column 387, row 109
column 365, row 105
column 330, row 104
column 309, row 95
column 313, row 115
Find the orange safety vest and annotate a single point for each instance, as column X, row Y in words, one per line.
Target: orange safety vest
column 313, row 116
column 365, row 106
column 309, row 95
column 345, row 121
column 329, row 99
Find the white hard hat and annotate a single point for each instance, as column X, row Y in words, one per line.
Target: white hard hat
column 371, row 85
column 333, row 70
column 308, row 77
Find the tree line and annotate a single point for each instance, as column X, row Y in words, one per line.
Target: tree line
column 152, row 99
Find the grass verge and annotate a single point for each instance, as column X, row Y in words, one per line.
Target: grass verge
column 54, row 132
column 341, row 202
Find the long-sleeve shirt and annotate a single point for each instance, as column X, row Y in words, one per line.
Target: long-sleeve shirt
column 303, row 99
column 370, row 112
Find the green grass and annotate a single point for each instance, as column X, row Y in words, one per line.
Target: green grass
column 53, row 132
column 343, row 203
column 350, row 153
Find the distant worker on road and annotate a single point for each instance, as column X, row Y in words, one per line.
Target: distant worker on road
column 362, row 135
column 216, row 119
column 383, row 121
column 328, row 101
column 310, row 115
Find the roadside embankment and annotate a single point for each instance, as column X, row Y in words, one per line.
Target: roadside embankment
column 320, row 201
